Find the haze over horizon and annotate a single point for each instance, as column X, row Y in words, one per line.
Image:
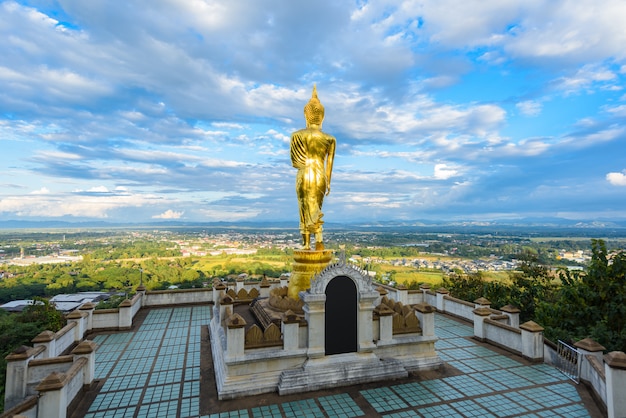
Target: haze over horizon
column 142, row 111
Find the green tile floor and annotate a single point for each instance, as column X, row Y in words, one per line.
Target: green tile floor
column 155, row 372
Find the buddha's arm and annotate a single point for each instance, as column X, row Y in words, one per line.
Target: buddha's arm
column 329, row 163
column 298, row 151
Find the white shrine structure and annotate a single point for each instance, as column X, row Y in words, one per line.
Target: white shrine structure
column 349, row 333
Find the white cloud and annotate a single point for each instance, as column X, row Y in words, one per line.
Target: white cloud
column 203, row 102
column 617, row 179
column 169, row 214
column 529, row 107
column 567, row 31
column 227, row 125
column 619, row 110
column 444, row 172
column 596, row 137
column 586, row 78
column 43, row 190
column 98, row 189
column 44, row 203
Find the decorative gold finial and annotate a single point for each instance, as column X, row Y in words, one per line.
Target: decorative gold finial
column 314, row 110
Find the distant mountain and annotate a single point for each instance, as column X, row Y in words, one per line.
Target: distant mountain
column 19, row 224
column 541, row 226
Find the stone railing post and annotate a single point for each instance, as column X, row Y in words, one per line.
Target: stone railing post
column 53, row 400
column 588, row 347
column 125, row 318
column 87, row 349
column 284, row 281
column 265, row 288
column 615, row 372
column 218, row 292
column 291, row 331
column 226, row 304
column 239, row 284
column 382, row 292
column 48, row 340
column 402, row 294
column 17, row 374
column 480, row 314
column 513, row 313
column 532, row 341
column 385, row 323
column 314, row 313
column 80, row 318
column 441, row 304
column 423, row 288
column 141, row 289
column 235, row 336
column 482, row 303
column 426, row 314
column 88, row 308
column 365, row 334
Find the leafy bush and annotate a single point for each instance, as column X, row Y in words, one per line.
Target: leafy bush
column 526, row 288
column 112, row 303
column 590, row 304
column 17, row 329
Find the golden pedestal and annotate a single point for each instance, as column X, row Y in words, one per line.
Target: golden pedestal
column 307, row 263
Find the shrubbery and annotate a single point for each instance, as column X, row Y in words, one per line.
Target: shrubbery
column 17, row 329
column 582, row 304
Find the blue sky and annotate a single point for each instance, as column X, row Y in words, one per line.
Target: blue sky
column 147, row 110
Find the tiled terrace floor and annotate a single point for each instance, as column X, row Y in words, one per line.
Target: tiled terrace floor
column 155, row 372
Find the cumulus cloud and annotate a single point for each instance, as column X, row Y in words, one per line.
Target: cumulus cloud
column 130, row 110
column 444, row 172
column 617, row 179
column 169, row 214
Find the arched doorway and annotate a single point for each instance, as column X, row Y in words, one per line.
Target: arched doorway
column 341, row 316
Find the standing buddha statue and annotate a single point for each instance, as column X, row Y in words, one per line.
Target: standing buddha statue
column 312, row 153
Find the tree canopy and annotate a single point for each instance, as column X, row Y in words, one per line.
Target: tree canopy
column 590, row 304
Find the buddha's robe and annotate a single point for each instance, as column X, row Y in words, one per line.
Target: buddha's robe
column 312, row 153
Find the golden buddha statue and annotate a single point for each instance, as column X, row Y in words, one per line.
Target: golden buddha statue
column 312, row 153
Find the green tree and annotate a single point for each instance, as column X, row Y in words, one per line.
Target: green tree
column 531, row 285
column 43, row 314
column 19, row 329
column 527, row 288
column 590, row 304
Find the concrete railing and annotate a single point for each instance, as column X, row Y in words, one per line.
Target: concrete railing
column 177, row 297
column 442, row 300
column 592, row 367
column 604, row 374
column 65, row 338
column 456, row 307
column 503, row 335
column 104, row 319
column 60, row 378
column 136, row 303
column 43, row 368
column 122, row 318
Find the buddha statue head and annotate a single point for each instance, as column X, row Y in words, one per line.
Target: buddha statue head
column 313, row 110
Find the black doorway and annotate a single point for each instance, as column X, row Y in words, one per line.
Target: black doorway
column 341, row 316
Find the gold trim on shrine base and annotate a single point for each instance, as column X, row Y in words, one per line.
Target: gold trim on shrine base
column 307, row 264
